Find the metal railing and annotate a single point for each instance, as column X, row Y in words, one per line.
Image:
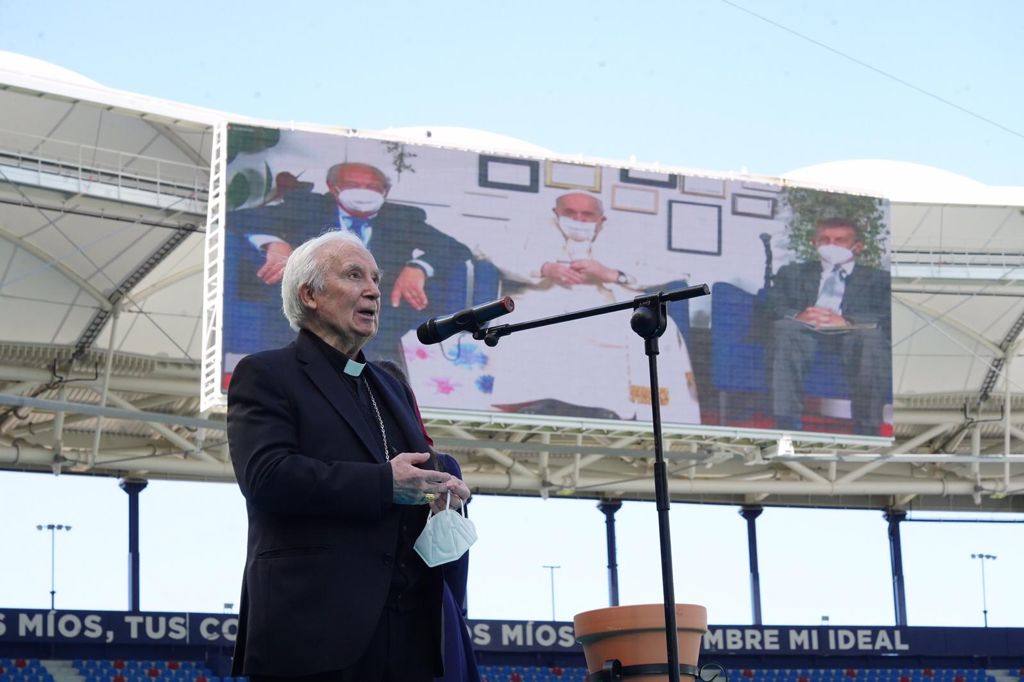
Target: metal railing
column 93, row 164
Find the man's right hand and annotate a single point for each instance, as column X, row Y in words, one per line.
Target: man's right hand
column 410, row 484
column 561, row 273
column 272, row 269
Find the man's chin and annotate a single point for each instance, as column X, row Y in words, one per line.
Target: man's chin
column 366, row 334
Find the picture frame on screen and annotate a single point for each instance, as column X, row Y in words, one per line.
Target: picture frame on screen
column 566, row 175
column 631, row 176
column 703, row 187
column 695, row 228
column 516, row 175
column 753, row 206
column 762, row 187
column 635, row 199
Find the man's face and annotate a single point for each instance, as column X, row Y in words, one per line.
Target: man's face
column 843, row 236
column 359, row 178
column 349, row 304
column 579, row 207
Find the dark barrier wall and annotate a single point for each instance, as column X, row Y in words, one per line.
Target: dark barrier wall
column 117, row 631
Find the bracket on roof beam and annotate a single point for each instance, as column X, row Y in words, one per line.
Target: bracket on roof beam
column 783, row 447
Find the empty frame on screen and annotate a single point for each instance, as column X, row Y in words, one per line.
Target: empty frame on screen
column 573, row 176
column 635, row 199
column 649, row 178
column 753, row 206
column 517, row 175
column 695, row 228
column 704, row 187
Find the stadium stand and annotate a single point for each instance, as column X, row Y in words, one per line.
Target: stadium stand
column 128, row 670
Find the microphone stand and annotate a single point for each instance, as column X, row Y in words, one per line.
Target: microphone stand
column 649, row 321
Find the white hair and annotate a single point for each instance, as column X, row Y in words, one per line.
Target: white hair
column 305, row 267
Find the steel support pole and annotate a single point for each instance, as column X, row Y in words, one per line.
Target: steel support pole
column 133, row 486
column 750, row 513
column 608, row 508
column 899, row 594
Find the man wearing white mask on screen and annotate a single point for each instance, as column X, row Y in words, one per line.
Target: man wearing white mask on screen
column 838, row 303
column 593, row 367
column 412, row 254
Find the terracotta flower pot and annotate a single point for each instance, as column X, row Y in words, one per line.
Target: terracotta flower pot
column 636, row 635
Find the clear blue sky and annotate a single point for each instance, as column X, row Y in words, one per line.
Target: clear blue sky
column 696, row 83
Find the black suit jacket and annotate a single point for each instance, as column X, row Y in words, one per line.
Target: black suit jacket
column 866, row 297
column 322, row 527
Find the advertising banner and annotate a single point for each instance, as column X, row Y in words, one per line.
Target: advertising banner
column 118, row 629
column 795, row 336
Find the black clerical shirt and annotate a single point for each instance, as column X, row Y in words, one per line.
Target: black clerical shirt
column 408, row 580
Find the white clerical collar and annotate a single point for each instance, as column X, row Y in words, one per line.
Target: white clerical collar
column 354, row 368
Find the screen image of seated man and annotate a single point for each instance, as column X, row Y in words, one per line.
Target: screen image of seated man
column 843, row 305
column 593, row 367
column 412, row 254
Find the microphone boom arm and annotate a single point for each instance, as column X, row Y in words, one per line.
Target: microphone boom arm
column 491, row 335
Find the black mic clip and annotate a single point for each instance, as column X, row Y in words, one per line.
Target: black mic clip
column 491, row 335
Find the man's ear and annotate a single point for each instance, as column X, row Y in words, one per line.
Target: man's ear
column 857, row 248
column 306, row 297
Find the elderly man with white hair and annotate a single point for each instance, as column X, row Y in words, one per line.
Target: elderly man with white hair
column 333, row 463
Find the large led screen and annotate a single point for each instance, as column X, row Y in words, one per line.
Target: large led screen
column 795, row 336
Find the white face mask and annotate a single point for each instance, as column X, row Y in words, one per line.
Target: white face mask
column 577, row 230
column 446, row 537
column 360, row 200
column 834, row 254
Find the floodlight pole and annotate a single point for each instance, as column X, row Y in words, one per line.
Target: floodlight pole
column 649, row 321
column 984, row 597
column 551, row 569
column 53, row 528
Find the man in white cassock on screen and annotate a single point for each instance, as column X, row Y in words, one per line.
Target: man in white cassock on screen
column 594, row 367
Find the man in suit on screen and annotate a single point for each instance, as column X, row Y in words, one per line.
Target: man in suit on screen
column 333, row 463
column 414, row 257
column 839, row 303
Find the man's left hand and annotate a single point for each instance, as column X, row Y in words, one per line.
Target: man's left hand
column 595, row 270
column 459, row 491
column 409, row 286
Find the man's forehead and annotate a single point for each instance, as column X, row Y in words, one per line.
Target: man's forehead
column 578, row 202
column 832, row 229
column 345, row 255
column 360, row 173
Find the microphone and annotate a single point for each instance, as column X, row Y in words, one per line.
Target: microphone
column 437, row 329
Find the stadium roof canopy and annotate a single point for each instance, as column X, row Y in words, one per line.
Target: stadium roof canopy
column 103, row 201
